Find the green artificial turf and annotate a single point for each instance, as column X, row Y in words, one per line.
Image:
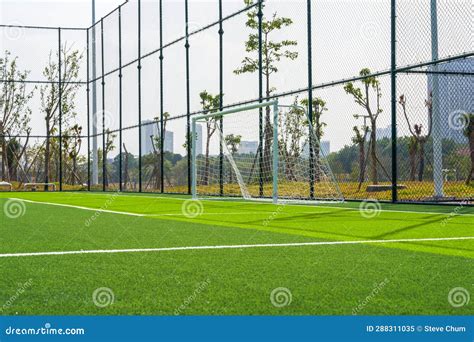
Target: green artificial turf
column 393, row 278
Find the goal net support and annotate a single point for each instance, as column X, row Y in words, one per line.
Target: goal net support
column 262, row 151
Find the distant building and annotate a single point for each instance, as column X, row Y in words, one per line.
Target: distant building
column 150, row 131
column 325, row 148
column 456, row 96
column 384, row 132
column 169, row 141
column 248, row 147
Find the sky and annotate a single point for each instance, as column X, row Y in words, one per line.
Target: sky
column 347, row 36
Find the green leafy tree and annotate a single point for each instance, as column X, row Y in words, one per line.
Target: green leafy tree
column 14, row 113
column 232, row 142
column 210, row 103
column 420, row 138
column 359, row 139
column 370, row 84
column 51, row 98
column 318, row 108
column 273, row 52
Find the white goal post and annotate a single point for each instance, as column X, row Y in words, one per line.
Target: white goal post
column 261, row 151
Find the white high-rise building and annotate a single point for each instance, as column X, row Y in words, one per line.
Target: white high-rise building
column 151, row 130
column 148, row 129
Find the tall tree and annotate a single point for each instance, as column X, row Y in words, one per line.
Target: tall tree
column 14, row 111
column 210, row 103
column 292, row 130
column 273, row 52
column 359, row 139
column 363, row 99
column 72, row 143
column 232, row 142
column 417, row 134
column 50, row 94
column 319, row 107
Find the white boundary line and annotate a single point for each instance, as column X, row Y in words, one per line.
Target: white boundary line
column 451, row 214
column 166, row 249
column 79, row 207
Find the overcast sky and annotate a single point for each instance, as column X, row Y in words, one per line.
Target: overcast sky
column 347, row 36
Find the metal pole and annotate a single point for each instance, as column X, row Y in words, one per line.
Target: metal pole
column 393, row 80
column 120, row 99
column 437, row 136
column 88, row 116
column 275, row 153
column 310, row 102
column 260, row 97
column 139, row 67
column 188, row 105
column 104, row 135
column 60, row 91
column 193, row 164
column 162, row 138
column 221, row 99
column 95, row 154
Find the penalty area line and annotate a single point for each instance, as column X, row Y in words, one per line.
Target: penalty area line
column 187, row 248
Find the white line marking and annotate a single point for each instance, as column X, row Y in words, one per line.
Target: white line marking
column 166, row 249
column 82, row 208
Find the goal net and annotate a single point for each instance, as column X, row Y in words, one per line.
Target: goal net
column 262, row 151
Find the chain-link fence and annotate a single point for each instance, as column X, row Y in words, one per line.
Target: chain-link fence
column 109, row 107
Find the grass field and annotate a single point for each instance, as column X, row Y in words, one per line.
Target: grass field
column 98, row 253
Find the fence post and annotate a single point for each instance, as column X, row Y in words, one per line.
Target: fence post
column 310, row 102
column 88, row 114
column 104, row 136
column 188, row 105
column 162, row 138
column 60, row 94
column 221, row 99
column 120, row 99
column 260, row 97
column 393, row 80
column 139, row 67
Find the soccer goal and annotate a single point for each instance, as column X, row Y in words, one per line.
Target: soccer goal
column 262, row 151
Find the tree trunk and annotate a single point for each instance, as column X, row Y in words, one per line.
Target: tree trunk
column 361, row 163
column 412, row 156
column 47, row 156
column 421, row 170
column 373, row 152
